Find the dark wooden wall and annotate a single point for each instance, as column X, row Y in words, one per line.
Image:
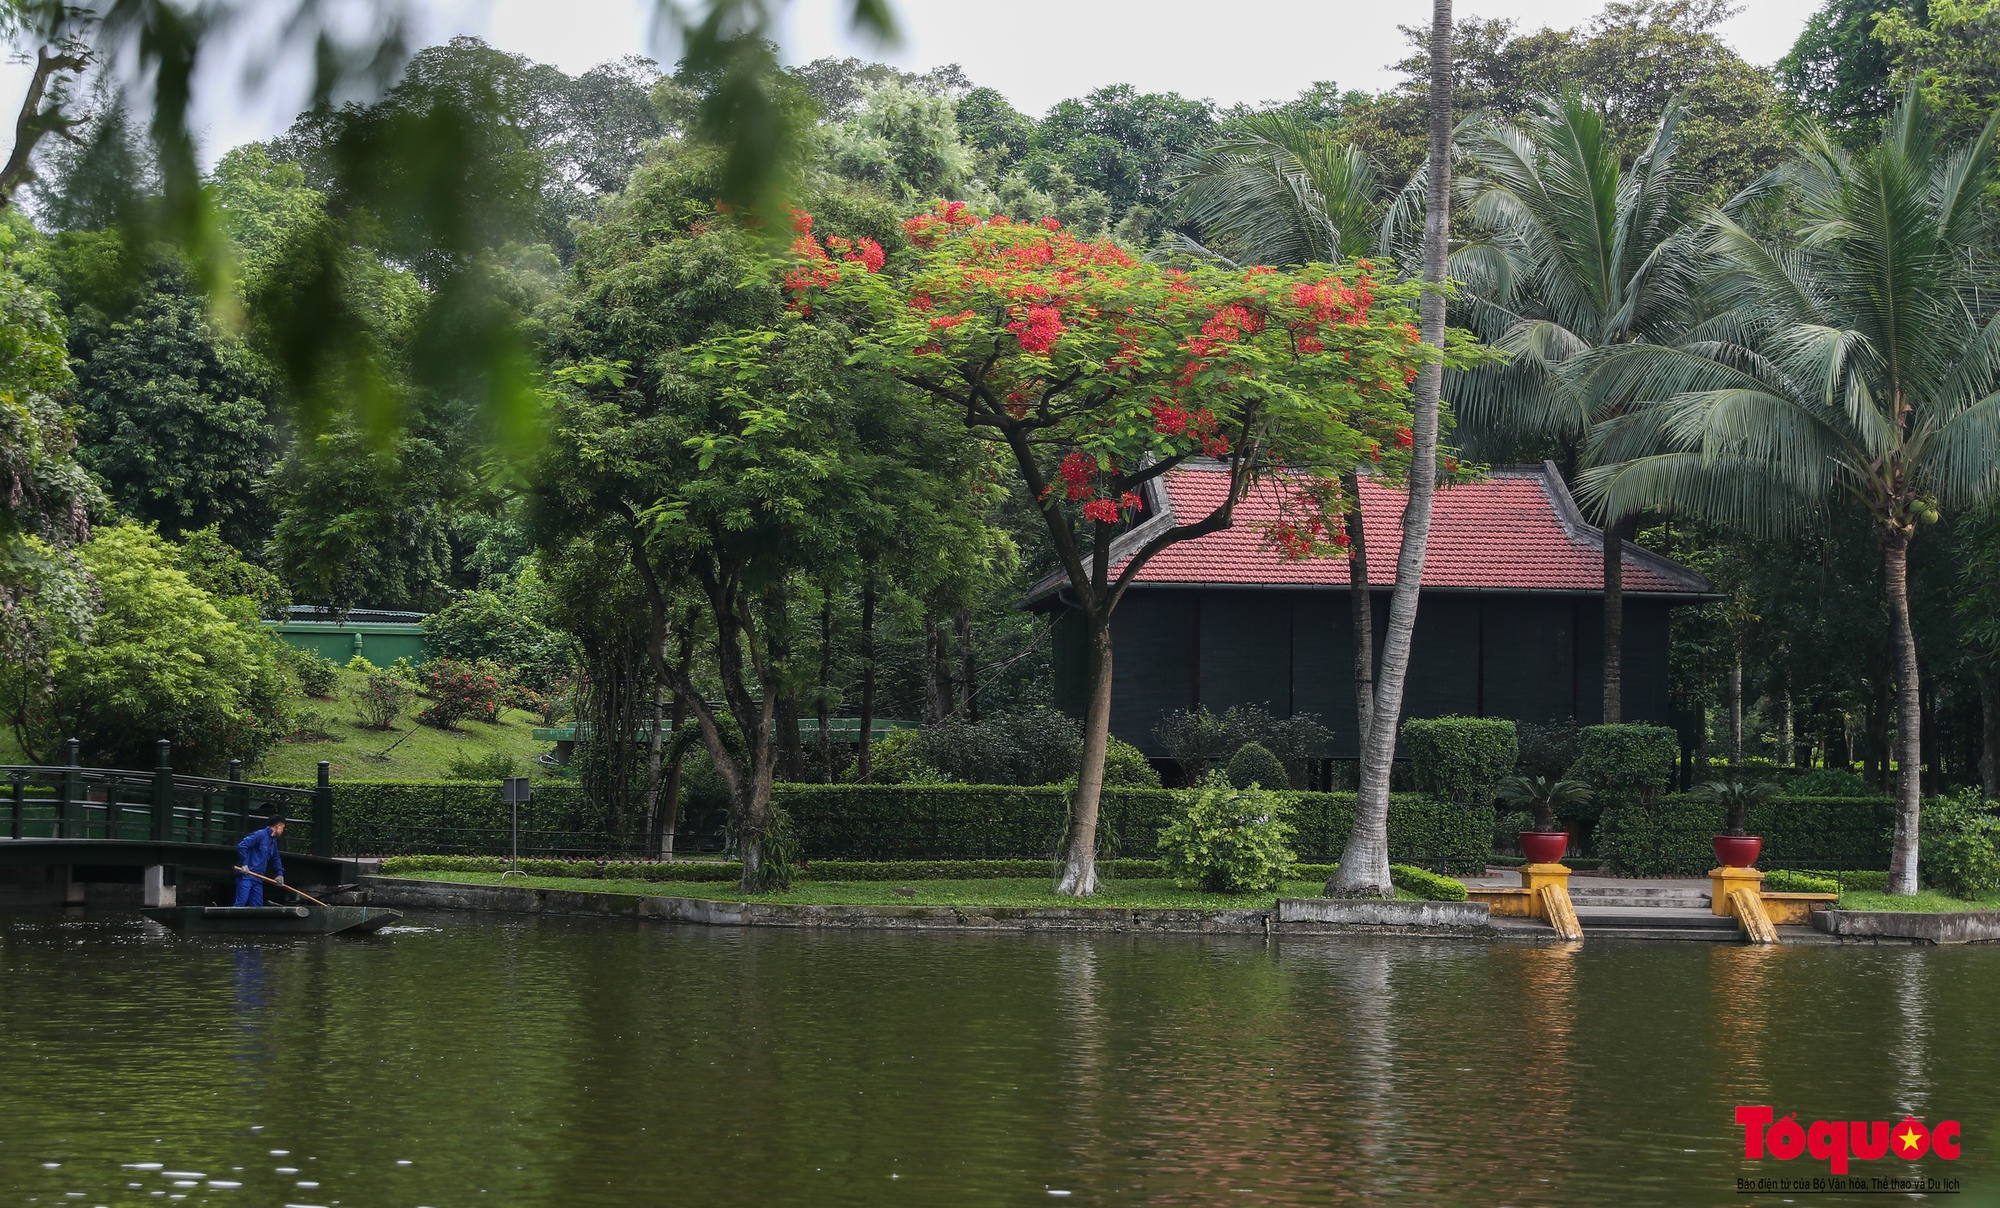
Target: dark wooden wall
column 1529, row 657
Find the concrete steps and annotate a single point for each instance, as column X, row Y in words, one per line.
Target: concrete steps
column 1658, row 923
column 1687, row 896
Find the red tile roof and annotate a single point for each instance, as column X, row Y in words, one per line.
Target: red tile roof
column 1516, row 530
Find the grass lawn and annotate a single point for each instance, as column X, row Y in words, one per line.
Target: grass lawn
column 1925, row 900
column 1015, row 891
column 425, row 754
column 355, row 752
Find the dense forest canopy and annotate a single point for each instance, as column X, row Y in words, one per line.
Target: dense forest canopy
column 463, row 383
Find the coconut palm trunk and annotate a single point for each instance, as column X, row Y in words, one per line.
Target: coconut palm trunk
column 1361, row 609
column 1909, row 729
column 1364, row 865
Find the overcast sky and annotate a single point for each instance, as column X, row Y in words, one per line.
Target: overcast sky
column 1035, row 51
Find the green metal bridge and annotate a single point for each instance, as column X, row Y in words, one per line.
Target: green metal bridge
column 70, row 817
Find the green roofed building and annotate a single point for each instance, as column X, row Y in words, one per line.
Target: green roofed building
column 378, row 634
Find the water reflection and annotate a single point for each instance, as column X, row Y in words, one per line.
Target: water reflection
column 552, row 1062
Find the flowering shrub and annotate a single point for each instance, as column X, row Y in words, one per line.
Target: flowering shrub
column 382, row 697
column 1228, row 840
column 459, row 690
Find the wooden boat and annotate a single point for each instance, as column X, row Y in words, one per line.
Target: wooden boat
column 275, row 920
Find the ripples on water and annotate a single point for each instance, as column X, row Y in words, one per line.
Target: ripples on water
column 467, row 1060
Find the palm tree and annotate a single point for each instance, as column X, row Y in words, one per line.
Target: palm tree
column 1854, row 356
column 1582, row 255
column 1541, row 796
column 1364, row 861
column 1275, row 190
column 1282, row 192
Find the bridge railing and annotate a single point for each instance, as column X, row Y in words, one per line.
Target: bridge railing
column 74, row 802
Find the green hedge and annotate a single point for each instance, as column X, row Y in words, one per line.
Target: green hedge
column 960, row 821
column 1460, row 758
column 360, row 805
column 1784, row 880
column 1419, row 882
column 1626, row 763
column 817, row 870
column 925, row 822
column 1670, row 836
column 1426, row 884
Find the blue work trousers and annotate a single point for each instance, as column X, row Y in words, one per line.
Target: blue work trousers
column 249, row 891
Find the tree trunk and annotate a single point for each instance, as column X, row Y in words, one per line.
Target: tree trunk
column 1988, row 677
column 864, row 763
column 1364, row 865
column 1909, row 728
column 1079, row 872
column 791, row 749
column 1361, row 610
column 824, row 697
column 937, row 674
column 1736, row 712
column 968, row 700
column 655, row 747
column 1787, row 744
column 672, row 791
column 1616, row 534
column 1875, row 758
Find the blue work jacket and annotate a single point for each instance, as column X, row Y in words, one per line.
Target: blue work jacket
column 258, row 852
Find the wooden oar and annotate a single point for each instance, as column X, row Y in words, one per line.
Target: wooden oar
column 281, row 885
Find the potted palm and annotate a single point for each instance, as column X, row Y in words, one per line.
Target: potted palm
column 1544, row 842
column 1735, row 848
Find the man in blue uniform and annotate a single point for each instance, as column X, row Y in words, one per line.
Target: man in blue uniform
column 258, row 852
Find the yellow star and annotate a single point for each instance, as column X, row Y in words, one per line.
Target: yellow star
column 1910, row 1139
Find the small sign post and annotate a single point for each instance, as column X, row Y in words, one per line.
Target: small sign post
column 514, row 790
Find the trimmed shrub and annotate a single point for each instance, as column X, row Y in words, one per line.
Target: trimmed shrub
column 1854, row 878
column 1225, row 839
column 1830, row 782
column 316, row 674
column 1253, row 765
column 1199, row 740
column 458, row 691
column 1960, row 852
column 1126, row 767
column 1780, row 880
column 1460, row 758
column 497, row 765
column 1627, row 763
column 1670, row 836
column 1426, row 884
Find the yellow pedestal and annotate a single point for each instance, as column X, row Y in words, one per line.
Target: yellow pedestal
column 1722, row 880
column 1534, row 876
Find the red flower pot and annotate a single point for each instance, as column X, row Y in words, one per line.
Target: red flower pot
column 1544, row 847
column 1737, row 851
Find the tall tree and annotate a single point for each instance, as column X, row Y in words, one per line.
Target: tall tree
column 1583, row 255
column 1855, row 356
column 1838, row 71
column 1098, row 374
column 1364, row 863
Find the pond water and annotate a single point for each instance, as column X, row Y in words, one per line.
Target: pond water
column 469, row 1060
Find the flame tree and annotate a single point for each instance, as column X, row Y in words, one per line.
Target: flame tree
column 1097, row 373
